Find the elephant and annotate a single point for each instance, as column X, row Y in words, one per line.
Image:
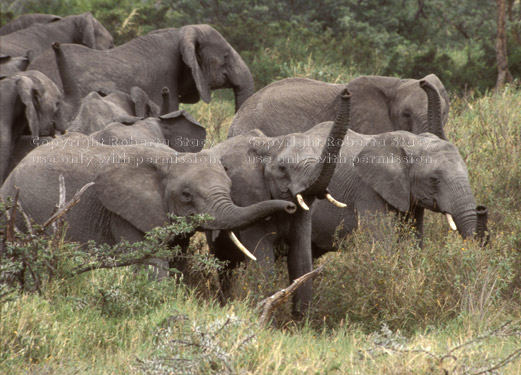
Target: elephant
column 29, row 101
column 189, row 61
column 83, row 29
column 262, row 164
column 379, row 104
column 27, row 20
column 99, row 108
column 178, row 130
column 135, row 187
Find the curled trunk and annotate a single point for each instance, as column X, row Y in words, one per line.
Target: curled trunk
column 228, row 216
column 433, row 109
column 325, row 169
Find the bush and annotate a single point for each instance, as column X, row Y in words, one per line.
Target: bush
column 393, row 281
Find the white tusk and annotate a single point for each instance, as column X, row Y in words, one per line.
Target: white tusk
column 451, row 222
column 302, row 203
column 335, row 202
column 241, row 246
column 65, row 132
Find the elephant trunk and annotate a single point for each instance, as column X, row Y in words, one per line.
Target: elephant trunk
column 70, row 88
column 481, row 226
column 228, row 216
column 72, row 98
column 433, row 109
column 165, row 101
column 241, row 80
column 323, row 173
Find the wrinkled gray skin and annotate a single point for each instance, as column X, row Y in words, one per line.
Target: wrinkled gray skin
column 82, row 29
column 264, row 165
column 97, row 111
column 135, row 187
column 11, row 65
column 375, row 175
column 178, row 130
column 27, row 20
column 189, row 61
column 29, row 103
column 379, row 104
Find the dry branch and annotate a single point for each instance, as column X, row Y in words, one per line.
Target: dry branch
column 73, row 202
column 267, row 305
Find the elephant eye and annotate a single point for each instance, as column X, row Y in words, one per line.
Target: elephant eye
column 435, row 181
column 406, row 115
column 282, row 168
column 186, row 196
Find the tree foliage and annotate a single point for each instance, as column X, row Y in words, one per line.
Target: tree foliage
column 408, row 38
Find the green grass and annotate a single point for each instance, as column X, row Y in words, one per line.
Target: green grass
column 386, row 308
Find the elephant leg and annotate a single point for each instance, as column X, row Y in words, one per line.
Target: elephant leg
column 418, row 225
column 222, row 247
column 300, row 260
column 5, row 150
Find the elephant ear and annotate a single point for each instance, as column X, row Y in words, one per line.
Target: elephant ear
column 127, row 119
column 141, row 102
column 188, row 45
column 134, row 193
column 385, row 170
column 372, row 98
column 183, row 132
column 86, row 28
column 30, row 97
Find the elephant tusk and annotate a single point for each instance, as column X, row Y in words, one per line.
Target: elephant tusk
column 451, row 222
column 335, row 202
column 241, row 247
column 65, row 132
column 302, row 203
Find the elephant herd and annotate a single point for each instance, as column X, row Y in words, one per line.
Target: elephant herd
column 302, row 157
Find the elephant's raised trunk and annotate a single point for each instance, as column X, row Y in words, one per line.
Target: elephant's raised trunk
column 228, row 216
column 327, row 162
column 72, row 98
column 241, row 81
column 70, row 88
column 165, row 101
column 433, row 109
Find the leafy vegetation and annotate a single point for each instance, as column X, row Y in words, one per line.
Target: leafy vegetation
column 382, row 308
column 456, row 40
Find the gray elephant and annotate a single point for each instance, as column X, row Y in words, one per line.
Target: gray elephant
column 135, row 188
column 29, row 102
column 379, row 104
column 178, row 130
column 262, row 164
column 27, row 20
column 189, row 61
column 82, row 29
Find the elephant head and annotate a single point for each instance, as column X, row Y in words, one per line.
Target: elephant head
column 178, row 188
column 413, row 172
column 29, row 100
column 177, row 129
column 395, row 104
column 301, row 169
column 214, row 64
column 93, row 34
